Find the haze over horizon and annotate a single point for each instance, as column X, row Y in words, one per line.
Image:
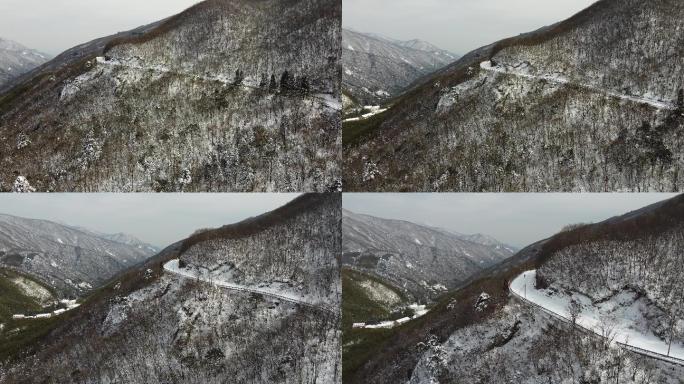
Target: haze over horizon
column 515, row 219
column 459, row 26
column 158, row 219
column 66, row 24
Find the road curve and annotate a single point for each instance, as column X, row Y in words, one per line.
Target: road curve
column 523, row 294
column 174, row 268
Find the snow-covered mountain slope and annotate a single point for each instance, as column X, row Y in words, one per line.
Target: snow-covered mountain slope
column 594, row 103
column 298, row 254
column 16, row 59
column 628, row 315
column 377, row 68
column 425, row 262
column 226, row 96
column 202, row 331
column 483, row 333
column 69, row 260
column 123, row 238
column 647, row 266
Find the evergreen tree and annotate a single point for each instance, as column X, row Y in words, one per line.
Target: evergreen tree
column 239, row 77
column 304, row 85
column 285, row 82
column 273, row 86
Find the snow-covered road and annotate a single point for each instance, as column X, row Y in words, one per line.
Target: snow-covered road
column 617, row 318
column 559, row 79
column 174, row 268
column 326, row 99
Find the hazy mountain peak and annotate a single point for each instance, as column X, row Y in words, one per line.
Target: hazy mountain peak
column 425, row 261
column 377, row 67
column 70, row 260
column 16, row 59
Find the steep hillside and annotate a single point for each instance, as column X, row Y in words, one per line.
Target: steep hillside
column 594, row 103
column 226, row 96
column 70, row 261
column 377, row 68
column 200, row 330
column 16, row 59
column 424, row 262
column 472, row 338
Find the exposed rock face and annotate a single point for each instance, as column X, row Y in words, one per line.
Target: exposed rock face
column 70, row 260
column 226, row 96
column 193, row 331
column 16, row 59
column 594, row 103
column 377, row 68
column 424, row 261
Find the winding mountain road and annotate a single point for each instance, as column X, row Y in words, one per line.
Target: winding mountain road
column 173, row 267
column 328, row 100
column 488, row 66
column 623, row 332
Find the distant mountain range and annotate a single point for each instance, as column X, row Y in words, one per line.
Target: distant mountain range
column 69, row 260
column 16, row 60
column 377, row 68
column 422, row 261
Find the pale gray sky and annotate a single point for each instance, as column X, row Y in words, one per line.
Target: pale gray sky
column 160, row 219
column 515, row 219
column 53, row 26
column 456, row 25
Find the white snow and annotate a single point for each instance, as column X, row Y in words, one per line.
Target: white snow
column 263, row 289
column 557, row 78
column 373, row 110
column 418, row 310
column 32, row 289
column 69, row 304
column 615, row 318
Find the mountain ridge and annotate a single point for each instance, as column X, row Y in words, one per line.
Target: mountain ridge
column 16, row 60
column 377, row 68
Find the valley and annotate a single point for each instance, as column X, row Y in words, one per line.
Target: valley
column 378, row 68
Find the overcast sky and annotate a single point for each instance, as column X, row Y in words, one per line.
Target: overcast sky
column 456, row 25
column 160, row 219
column 515, row 219
column 53, row 26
